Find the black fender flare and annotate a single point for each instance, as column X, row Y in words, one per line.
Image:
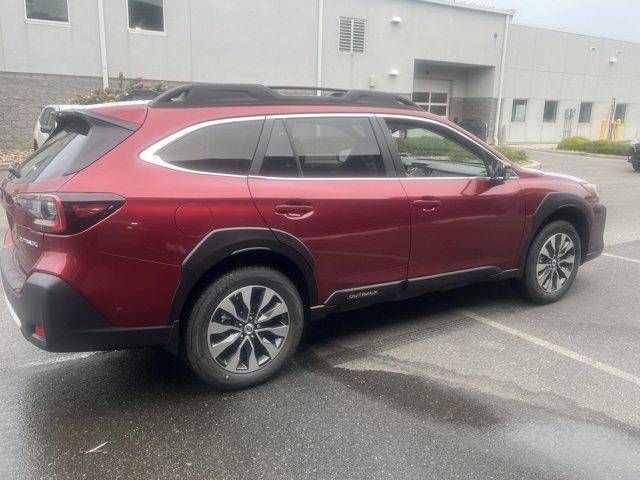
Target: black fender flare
column 552, row 203
column 220, row 244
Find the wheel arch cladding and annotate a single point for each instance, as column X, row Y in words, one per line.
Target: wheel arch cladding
column 225, row 249
column 561, row 206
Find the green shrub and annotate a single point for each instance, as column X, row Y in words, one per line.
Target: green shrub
column 111, row 94
column 607, row 147
column 514, row 154
column 604, row 147
column 433, row 147
column 573, row 143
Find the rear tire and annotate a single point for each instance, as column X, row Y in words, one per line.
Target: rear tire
column 243, row 328
column 552, row 263
column 636, row 165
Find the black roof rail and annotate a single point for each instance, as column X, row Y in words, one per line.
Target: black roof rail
column 220, row 94
column 311, row 89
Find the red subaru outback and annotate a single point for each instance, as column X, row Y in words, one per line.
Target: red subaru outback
column 217, row 219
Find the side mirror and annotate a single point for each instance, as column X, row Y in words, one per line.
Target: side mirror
column 500, row 172
column 46, row 129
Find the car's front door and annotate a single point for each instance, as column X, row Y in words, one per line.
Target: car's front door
column 461, row 219
column 325, row 181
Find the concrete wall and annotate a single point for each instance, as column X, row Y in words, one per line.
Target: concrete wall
column 60, row 49
column 550, row 65
column 428, row 31
column 204, row 40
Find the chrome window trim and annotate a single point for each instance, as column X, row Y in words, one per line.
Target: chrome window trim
column 149, row 154
column 262, row 177
column 321, row 115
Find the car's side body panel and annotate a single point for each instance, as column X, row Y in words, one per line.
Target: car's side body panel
column 137, row 266
column 358, row 230
column 477, row 223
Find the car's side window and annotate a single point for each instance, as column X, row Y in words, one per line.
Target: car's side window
column 426, row 152
column 279, row 160
column 335, row 147
column 224, row 148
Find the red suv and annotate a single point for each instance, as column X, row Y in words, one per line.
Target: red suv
column 217, row 219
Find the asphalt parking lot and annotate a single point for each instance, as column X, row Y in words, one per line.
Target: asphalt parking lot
column 472, row 383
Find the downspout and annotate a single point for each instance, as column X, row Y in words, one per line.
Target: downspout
column 319, row 46
column 503, row 61
column 103, row 45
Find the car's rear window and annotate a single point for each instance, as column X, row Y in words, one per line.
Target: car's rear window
column 73, row 146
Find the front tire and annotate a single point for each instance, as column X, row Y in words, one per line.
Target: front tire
column 244, row 327
column 552, row 263
column 636, row 165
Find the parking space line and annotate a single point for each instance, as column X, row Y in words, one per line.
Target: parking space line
column 621, row 258
column 603, row 367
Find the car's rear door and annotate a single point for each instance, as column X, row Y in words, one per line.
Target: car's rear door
column 461, row 219
column 325, row 180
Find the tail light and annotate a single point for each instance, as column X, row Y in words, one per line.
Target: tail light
column 66, row 213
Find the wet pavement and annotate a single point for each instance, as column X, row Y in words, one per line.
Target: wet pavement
column 472, row 383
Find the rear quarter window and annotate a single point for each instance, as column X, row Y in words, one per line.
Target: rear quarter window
column 226, row 148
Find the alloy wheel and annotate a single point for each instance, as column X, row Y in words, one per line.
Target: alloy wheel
column 556, row 262
column 248, row 329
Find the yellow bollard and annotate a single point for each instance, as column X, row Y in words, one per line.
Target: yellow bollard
column 603, row 130
column 617, row 129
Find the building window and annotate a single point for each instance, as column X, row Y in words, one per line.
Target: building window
column 519, row 110
column 352, row 34
column 585, row 112
column 47, row 10
column 550, row 111
column 146, row 15
column 433, row 102
column 621, row 111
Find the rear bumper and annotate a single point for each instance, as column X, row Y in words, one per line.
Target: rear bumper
column 596, row 242
column 71, row 323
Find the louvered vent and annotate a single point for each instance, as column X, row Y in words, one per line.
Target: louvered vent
column 352, row 35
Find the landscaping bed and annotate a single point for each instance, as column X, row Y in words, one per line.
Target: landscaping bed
column 9, row 156
column 601, row 147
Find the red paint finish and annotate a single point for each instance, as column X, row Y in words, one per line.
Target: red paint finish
column 463, row 223
column 357, row 230
column 193, row 219
column 360, row 232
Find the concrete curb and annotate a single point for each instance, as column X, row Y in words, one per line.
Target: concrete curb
column 579, row 154
column 532, row 164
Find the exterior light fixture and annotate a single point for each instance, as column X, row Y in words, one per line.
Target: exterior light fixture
column 396, row 20
column 394, row 72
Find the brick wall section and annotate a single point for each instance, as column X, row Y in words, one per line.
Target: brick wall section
column 23, row 96
column 483, row 109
